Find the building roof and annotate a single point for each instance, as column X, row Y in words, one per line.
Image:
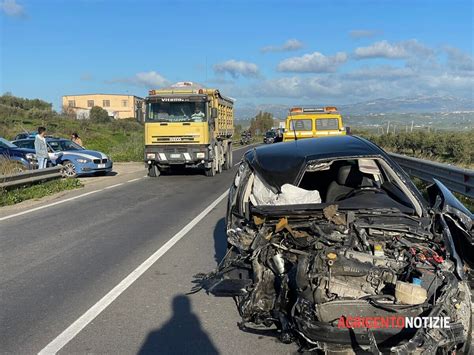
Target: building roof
column 139, row 97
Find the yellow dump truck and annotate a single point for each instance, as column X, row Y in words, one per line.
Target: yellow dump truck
column 313, row 122
column 189, row 126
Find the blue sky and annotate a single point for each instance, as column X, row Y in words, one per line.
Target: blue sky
column 255, row 51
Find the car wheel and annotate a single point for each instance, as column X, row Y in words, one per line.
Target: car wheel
column 69, row 170
column 153, row 171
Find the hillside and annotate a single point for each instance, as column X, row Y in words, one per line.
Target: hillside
column 122, row 140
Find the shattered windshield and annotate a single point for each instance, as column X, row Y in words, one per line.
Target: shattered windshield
column 176, row 112
column 351, row 184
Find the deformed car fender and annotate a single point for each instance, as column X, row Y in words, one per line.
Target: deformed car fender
column 456, row 218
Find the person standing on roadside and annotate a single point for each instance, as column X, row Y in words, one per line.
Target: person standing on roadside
column 76, row 139
column 41, row 148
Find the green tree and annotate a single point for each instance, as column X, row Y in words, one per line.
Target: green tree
column 98, row 114
column 262, row 122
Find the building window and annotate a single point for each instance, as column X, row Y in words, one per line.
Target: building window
column 71, row 103
column 90, row 103
column 124, row 103
column 106, row 103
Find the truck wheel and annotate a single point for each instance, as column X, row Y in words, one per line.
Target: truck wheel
column 218, row 159
column 210, row 171
column 153, row 171
column 228, row 158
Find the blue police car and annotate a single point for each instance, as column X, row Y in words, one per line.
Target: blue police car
column 76, row 160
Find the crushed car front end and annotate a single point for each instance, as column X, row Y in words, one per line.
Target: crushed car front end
column 358, row 263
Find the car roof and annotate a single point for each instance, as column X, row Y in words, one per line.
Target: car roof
column 282, row 163
column 48, row 138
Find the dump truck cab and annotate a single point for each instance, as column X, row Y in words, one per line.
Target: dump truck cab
column 189, row 126
column 313, row 122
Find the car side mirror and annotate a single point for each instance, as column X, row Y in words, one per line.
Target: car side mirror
column 214, row 113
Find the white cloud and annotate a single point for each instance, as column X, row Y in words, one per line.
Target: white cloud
column 236, row 68
column 12, row 8
column 298, row 87
column 379, row 72
column 459, row 60
column 422, row 74
column 364, row 33
column 289, row 45
column 399, row 50
column 381, row 49
column 313, row 63
column 149, row 80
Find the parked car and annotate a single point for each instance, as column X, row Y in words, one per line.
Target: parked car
column 325, row 235
column 269, row 137
column 75, row 159
column 245, row 138
column 25, row 158
column 24, row 135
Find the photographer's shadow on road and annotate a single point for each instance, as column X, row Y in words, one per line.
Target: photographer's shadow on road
column 182, row 334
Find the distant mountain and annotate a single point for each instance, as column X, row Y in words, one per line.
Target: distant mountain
column 245, row 113
column 415, row 104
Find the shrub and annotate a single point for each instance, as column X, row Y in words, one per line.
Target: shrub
column 98, row 114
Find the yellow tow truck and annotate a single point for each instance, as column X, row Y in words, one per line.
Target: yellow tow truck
column 187, row 125
column 313, row 122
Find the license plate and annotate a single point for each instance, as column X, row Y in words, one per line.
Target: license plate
column 101, row 166
column 175, row 156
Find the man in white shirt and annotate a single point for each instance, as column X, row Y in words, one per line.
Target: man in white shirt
column 41, row 148
column 198, row 115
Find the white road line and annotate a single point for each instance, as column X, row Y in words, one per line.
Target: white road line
column 134, row 180
column 247, row 146
column 62, row 201
column 48, row 205
column 70, row 332
column 112, row 186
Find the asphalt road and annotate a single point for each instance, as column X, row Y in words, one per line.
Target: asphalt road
column 58, row 262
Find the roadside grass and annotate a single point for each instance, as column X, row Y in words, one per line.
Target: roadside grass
column 9, row 167
column 11, row 197
column 122, row 140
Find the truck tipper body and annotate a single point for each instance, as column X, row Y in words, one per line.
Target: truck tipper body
column 189, row 126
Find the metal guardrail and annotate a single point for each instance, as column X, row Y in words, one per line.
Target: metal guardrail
column 456, row 179
column 30, row 176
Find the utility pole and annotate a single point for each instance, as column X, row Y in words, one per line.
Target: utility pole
column 411, row 126
column 388, row 127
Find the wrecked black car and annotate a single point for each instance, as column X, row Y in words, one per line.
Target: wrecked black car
column 330, row 242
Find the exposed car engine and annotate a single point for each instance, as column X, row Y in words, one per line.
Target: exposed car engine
column 308, row 273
